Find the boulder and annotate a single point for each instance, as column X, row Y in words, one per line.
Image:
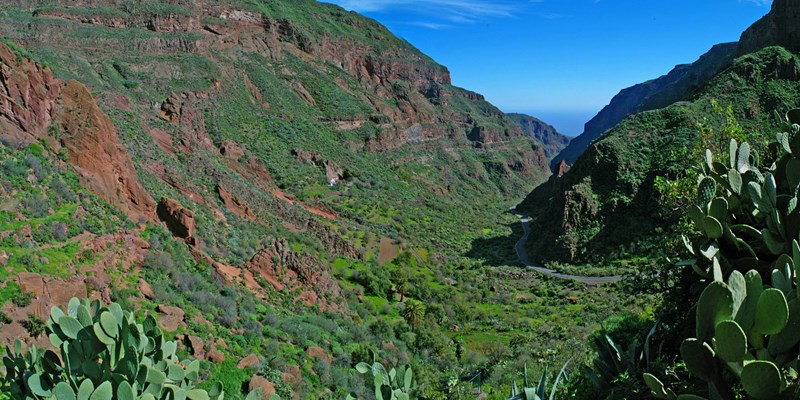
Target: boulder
column 179, row 220
column 201, row 320
column 318, row 353
column 170, row 310
column 333, row 171
column 292, row 375
column 197, row 346
column 267, row 387
column 250, row 361
column 170, row 323
column 171, row 318
column 146, row 290
column 216, row 356
column 231, row 150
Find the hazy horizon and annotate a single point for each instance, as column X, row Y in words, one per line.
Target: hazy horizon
column 566, row 122
column 557, row 59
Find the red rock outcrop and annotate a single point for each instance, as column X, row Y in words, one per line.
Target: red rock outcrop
column 319, row 353
column 234, row 204
column 216, row 356
column 28, row 96
column 333, row 172
column 171, row 318
column 157, row 22
column 179, row 219
column 282, row 267
column 250, row 361
column 95, row 151
column 31, row 99
column 267, row 388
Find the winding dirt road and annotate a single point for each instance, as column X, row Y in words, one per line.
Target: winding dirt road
column 522, row 254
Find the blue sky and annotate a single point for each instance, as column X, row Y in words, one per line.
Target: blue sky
column 561, row 60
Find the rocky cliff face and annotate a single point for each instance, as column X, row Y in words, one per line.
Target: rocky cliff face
column 544, row 133
column 95, row 151
column 679, row 84
column 35, row 104
column 404, row 91
column 778, row 28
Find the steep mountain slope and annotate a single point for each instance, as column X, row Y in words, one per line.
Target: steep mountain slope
column 259, row 175
column 679, row 84
column 315, row 96
column 544, row 133
column 778, row 28
column 608, row 204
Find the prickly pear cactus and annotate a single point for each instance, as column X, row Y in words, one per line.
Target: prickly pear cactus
column 748, row 315
column 397, row 384
column 103, row 354
column 748, row 215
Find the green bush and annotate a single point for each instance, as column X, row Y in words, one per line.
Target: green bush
column 22, row 299
column 34, row 325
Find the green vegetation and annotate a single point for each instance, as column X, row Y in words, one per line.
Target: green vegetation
column 34, row 325
column 45, row 212
column 410, row 258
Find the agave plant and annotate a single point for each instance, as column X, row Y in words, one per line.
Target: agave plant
column 538, row 392
column 614, row 361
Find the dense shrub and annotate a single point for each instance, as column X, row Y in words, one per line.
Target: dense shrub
column 4, row 319
column 34, row 325
column 22, row 298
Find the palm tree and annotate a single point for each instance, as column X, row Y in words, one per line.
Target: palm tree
column 413, row 312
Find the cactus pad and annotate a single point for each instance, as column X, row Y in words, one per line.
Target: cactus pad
column 706, row 191
column 730, row 341
column 699, row 359
column 772, row 312
column 715, row 305
column 762, row 380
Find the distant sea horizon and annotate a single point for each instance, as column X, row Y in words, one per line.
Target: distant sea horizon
column 567, row 122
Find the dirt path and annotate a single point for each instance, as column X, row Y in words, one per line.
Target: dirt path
column 522, row 254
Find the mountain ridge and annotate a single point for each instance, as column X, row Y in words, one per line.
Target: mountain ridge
column 609, row 202
column 677, row 85
column 544, row 133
